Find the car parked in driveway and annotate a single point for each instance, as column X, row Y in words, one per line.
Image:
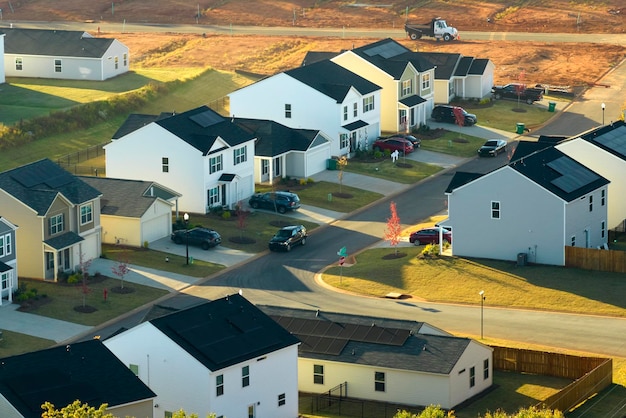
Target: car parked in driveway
column 204, row 238
column 412, row 138
column 446, row 113
column 394, row 143
column 492, row 148
column 286, row 238
column 429, row 236
column 278, row 201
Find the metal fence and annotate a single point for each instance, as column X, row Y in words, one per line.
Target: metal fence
column 86, row 162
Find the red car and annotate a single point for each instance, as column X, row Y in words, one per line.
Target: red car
column 429, row 236
column 403, row 146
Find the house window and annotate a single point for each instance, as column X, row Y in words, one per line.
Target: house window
column 125, row 59
column 344, row 140
column 495, row 210
column 486, row 369
column 213, row 196
column 603, row 195
column 5, row 278
column 277, row 167
column 134, row 368
column 215, row 164
column 355, row 110
column 5, row 245
column 368, row 103
column 240, row 155
column 602, row 229
column 345, row 113
column 265, row 167
column 165, row 165
column 281, row 399
column 425, row 81
column 55, row 224
column 288, row 111
column 318, row 374
column 590, row 203
column 49, row 261
column 245, row 376
column 379, row 381
column 251, row 411
column 472, row 377
column 57, row 66
column 407, row 87
column 86, row 213
column 219, row 385
column 117, row 63
column 573, row 240
column 18, row 64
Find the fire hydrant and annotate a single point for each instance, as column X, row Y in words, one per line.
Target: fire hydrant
column 105, row 292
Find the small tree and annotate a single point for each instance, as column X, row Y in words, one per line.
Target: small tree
column 459, row 116
column 394, row 228
column 341, row 163
column 121, row 270
column 76, row 409
column 242, row 218
column 83, row 265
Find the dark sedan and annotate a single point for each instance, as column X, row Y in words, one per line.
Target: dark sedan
column 492, row 148
column 287, row 237
column 429, row 236
column 412, row 138
column 203, row 237
column 403, row 146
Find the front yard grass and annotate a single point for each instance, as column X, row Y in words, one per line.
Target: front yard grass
column 453, row 143
column 404, row 170
column 14, row 343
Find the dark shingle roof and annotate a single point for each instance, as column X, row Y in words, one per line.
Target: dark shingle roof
column 129, row 198
column 445, row 63
column 57, row 43
column 274, row 139
column 460, row 178
column 478, row 67
column 315, row 56
column 87, row 371
column 464, row 65
column 611, row 138
column 224, row 332
column 392, row 57
column 38, row 184
column 418, row 352
column 63, row 241
column 132, row 123
column 332, row 79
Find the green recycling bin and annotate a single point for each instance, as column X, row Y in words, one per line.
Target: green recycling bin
column 520, row 128
column 551, row 106
column 331, row 164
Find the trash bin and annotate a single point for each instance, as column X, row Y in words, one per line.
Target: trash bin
column 331, row 164
column 522, row 259
column 551, row 106
column 520, row 128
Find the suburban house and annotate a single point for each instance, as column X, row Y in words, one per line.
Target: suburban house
column 58, row 215
column 528, row 210
column 225, row 357
column 85, row 371
column 62, row 54
column 8, row 260
column 280, row 151
column 386, row 360
column 205, row 157
column 406, row 79
column 133, row 212
column 321, row 96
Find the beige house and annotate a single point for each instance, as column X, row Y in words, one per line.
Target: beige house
column 58, row 215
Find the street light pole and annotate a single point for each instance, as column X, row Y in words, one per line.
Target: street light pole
column 603, row 106
column 186, row 219
column 482, row 305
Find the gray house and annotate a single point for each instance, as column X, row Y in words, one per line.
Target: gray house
column 8, row 260
column 71, row 55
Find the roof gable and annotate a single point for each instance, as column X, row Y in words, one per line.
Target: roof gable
column 611, row 138
column 56, row 43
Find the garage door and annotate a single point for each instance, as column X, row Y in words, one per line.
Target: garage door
column 316, row 160
column 157, row 228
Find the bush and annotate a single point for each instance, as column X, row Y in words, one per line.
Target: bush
column 23, row 294
column 431, row 250
column 302, row 182
column 146, row 244
column 74, row 278
column 310, row 181
column 226, row 215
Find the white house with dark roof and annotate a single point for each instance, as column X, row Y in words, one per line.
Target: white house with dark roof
column 72, row 55
column 225, row 357
column 322, row 96
column 85, row 371
column 280, row 151
column 205, row 157
column 536, row 205
column 133, row 212
column 58, row 215
column 8, row 260
column 386, row 360
column 406, row 79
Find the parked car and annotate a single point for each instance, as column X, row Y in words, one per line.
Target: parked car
column 395, row 143
column 429, row 236
column 414, row 140
column 445, row 113
column 287, row 237
column 492, row 148
column 203, row 237
column 279, row 201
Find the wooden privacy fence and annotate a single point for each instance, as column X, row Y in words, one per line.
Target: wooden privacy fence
column 590, row 374
column 593, row 259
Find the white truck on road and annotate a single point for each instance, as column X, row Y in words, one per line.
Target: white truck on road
column 436, row 28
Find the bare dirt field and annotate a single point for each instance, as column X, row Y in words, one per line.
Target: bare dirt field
column 532, row 62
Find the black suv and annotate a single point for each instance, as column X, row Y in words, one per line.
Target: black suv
column 279, row 201
column 287, row 237
column 204, row 237
column 445, row 113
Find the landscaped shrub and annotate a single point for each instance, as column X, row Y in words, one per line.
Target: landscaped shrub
column 226, row 215
column 310, row 181
column 302, row 182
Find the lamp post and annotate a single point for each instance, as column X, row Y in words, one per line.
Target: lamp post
column 603, row 106
column 482, row 304
column 186, row 219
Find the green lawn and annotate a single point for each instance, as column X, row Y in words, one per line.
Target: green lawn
column 403, row 171
column 14, row 343
column 453, row 143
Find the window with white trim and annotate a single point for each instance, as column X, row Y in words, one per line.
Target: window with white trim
column 407, row 87
column 213, row 196
column 240, row 155
column 86, row 213
column 472, row 377
column 56, row 224
column 355, row 110
column 288, row 111
column 5, row 279
column 345, row 113
column 495, row 209
column 265, row 166
column 245, row 376
column 165, row 165
column 368, row 103
column 573, row 240
column 18, row 64
column 215, row 164
column 125, row 56
column 57, row 66
column 602, row 229
column 425, row 81
column 344, row 140
column 318, row 374
column 219, row 385
column 6, row 247
column 281, row 399
column 486, row 369
column 134, row 368
column 379, row 381
column 117, row 63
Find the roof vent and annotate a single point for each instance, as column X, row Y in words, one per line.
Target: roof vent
column 317, row 313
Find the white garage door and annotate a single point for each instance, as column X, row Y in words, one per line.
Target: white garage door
column 154, row 229
column 316, row 160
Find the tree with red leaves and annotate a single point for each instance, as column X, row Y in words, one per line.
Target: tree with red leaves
column 394, row 228
column 242, row 218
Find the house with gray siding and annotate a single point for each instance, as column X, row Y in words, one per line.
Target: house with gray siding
column 8, row 260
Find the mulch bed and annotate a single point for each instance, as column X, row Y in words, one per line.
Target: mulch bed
column 33, row 304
